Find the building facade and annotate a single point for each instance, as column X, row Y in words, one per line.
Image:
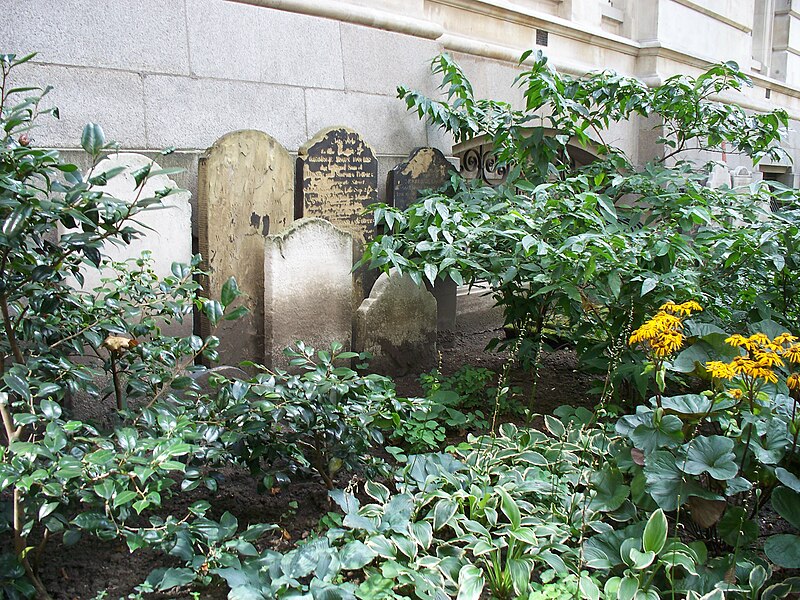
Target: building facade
column 181, row 73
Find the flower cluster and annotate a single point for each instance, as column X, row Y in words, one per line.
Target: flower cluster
column 663, row 334
column 762, row 356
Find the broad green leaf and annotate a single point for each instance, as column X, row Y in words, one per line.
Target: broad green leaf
column 230, row 291
column 648, row 285
column 710, row 454
column 588, row 588
column 609, row 488
column 509, row 507
column 736, row 529
column 443, row 512
column 788, row 479
column 470, row 583
column 356, row 555
column 93, row 139
column 783, row 550
column 655, row 532
column 786, row 503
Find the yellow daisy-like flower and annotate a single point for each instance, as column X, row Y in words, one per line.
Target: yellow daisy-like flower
column 685, row 309
column 785, row 338
column 759, row 339
column 793, row 381
column 737, row 341
column 764, row 373
column 720, row 370
column 692, row 306
column 768, row 358
column 792, row 353
column 735, row 393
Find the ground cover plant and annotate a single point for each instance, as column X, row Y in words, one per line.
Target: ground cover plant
column 690, row 490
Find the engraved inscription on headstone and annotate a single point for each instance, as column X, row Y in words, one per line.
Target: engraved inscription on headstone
column 426, row 168
column 245, row 192
column 337, row 179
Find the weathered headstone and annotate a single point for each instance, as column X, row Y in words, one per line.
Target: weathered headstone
column 720, row 176
column 308, row 288
column 397, row 325
column 203, row 378
column 165, row 229
column 425, row 168
column 337, row 179
column 245, row 192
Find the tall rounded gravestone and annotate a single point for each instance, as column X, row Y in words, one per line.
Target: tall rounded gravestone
column 245, row 192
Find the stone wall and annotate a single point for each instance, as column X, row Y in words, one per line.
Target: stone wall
column 182, row 73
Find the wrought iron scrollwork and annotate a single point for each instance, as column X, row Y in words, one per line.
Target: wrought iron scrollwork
column 480, row 162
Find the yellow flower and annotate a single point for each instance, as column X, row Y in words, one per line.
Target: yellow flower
column 720, row 370
column 792, row 353
column 764, row 373
column 759, row 339
column 793, row 381
column 685, row 309
column 735, row 393
column 736, row 340
column 785, row 338
column 768, row 359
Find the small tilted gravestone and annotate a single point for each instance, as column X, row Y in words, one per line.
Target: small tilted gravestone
column 337, row 179
column 425, row 169
column 397, row 325
column 245, row 192
column 308, row 288
column 165, row 230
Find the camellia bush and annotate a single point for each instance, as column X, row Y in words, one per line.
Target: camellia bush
column 149, row 432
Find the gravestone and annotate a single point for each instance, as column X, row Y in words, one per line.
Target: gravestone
column 308, row 288
column 166, row 229
column 397, row 325
column 203, row 378
column 337, row 179
column 720, row 176
column 425, row 168
column 245, row 192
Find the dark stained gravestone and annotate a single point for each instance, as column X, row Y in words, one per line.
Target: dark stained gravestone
column 425, row 169
column 337, row 179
